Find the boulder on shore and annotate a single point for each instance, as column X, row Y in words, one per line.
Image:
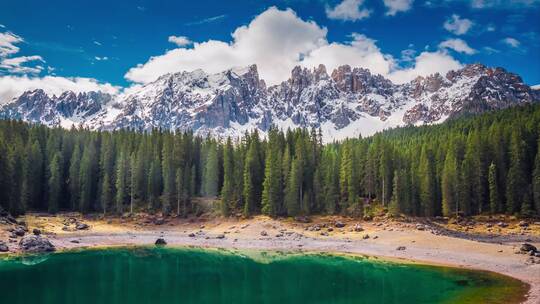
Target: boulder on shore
column 339, row 224
column 35, row 244
column 161, row 242
column 526, row 247
column 3, row 247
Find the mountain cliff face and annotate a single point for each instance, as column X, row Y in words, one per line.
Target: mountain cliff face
column 346, row 103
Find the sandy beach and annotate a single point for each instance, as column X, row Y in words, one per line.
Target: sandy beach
column 419, row 242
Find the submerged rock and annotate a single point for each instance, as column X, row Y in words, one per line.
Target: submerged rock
column 35, row 243
column 160, row 242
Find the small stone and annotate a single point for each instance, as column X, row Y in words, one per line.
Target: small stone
column 36, row 231
column 264, row 233
column 523, row 224
column 401, row 248
column 365, row 237
column 330, row 229
column 220, row 236
column 191, row 234
column 420, row 227
column 160, row 242
column 3, row 247
column 75, row 241
column 81, row 226
column 358, row 228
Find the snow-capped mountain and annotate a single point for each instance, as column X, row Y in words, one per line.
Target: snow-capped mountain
column 346, row 103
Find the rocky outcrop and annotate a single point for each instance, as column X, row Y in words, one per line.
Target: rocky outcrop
column 35, row 244
column 348, row 102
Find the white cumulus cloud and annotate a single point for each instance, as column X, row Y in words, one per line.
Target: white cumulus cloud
column 348, row 10
column 180, row 40
column 458, row 25
column 277, row 40
column 457, row 45
column 426, row 63
column 396, row 6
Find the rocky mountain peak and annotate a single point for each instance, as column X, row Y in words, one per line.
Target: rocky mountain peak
column 346, row 103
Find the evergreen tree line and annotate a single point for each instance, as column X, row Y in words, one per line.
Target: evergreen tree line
column 472, row 165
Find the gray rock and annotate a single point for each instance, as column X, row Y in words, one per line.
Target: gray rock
column 264, row 233
column 220, row 236
column 36, row 244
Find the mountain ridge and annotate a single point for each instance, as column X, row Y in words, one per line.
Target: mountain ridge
column 344, row 103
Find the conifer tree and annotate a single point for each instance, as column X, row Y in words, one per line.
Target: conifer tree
column 536, row 180
column 495, row 204
column 227, row 191
column 449, row 184
column 121, row 182
column 55, row 183
column 272, row 185
column 180, row 192
column 427, row 182
column 252, row 178
column 293, row 189
column 106, row 193
column 74, row 175
column 211, row 171
column 516, row 181
column 169, row 176
column 87, row 178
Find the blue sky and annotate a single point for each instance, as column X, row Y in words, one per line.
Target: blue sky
column 109, row 44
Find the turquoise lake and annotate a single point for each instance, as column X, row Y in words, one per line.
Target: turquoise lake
column 172, row 275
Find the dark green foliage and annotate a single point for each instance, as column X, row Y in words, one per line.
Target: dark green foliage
column 486, row 163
